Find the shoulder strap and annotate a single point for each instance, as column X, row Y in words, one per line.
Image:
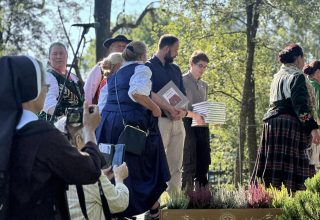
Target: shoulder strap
column 105, row 206
column 82, row 201
column 115, row 85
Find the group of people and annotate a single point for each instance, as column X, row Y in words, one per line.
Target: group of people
column 121, row 89
column 41, row 160
column 290, row 125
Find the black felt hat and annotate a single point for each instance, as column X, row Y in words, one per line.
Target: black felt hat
column 119, row 37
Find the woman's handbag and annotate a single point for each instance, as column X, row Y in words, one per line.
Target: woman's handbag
column 132, row 137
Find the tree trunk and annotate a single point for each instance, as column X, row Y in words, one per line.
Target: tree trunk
column 247, row 113
column 102, row 15
column 253, row 13
column 242, row 138
column 1, row 43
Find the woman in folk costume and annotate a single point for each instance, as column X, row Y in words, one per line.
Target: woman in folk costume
column 289, row 127
column 56, row 77
column 42, row 161
column 313, row 71
column 109, row 66
column 149, row 172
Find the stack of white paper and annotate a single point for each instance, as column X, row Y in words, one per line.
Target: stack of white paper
column 213, row 112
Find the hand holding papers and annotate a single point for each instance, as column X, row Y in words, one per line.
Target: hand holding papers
column 213, row 112
column 173, row 96
column 199, row 119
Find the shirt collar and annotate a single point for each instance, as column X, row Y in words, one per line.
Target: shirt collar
column 156, row 59
column 189, row 74
column 291, row 68
column 127, row 63
column 26, row 117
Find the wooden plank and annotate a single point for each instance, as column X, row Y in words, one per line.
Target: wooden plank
column 219, row 214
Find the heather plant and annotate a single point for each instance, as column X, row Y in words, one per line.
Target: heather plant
column 279, row 196
column 258, row 197
column 240, row 197
column 224, row 198
column 200, row 198
column 178, row 200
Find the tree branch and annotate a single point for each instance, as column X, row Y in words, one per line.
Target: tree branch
column 224, row 93
column 65, row 31
column 76, row 62
column 37, row 6
column 270, row 4
column 148, row 8
column 234, row 32
column 238, row 19
column 233, row 82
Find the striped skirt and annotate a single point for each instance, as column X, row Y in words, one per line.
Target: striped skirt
column 282, row 157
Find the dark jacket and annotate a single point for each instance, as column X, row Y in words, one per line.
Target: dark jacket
column 42, row 163
column 294, row 101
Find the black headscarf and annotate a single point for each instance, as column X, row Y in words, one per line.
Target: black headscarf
column 20, row 82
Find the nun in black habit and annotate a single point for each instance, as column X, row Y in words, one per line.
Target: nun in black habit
column 37, row 158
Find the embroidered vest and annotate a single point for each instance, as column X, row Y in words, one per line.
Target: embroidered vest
column 72, row 95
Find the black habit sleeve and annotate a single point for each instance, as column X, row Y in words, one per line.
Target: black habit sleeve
column 71, row 165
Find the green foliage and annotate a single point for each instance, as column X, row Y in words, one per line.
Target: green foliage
column 178, row 200
column 313, row 184
column 88, row 60
column 279, row 197
column 147, row 25
column 305, row 204
column 20, row 26
column 29, row 27
column 219, row 29
column 289, row 210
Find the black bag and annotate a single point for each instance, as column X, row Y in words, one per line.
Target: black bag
column 134, row 139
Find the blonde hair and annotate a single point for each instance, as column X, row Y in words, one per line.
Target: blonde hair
column 108, row 64
column 133, row 50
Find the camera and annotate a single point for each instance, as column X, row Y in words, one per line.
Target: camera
column 74, row 115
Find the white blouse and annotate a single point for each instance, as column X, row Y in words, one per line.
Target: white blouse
column 140, row 81
column 53, row 91
column 103, row 97
column 26, row 117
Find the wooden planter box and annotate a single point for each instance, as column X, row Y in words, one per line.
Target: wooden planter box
column 219, row 214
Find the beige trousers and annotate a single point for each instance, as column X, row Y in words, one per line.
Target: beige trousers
column 173, row 134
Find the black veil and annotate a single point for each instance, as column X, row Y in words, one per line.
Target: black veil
column 20, row 82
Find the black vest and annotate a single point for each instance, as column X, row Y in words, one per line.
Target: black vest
column 72, row 95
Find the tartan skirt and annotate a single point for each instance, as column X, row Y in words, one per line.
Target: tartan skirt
column 282, row 157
